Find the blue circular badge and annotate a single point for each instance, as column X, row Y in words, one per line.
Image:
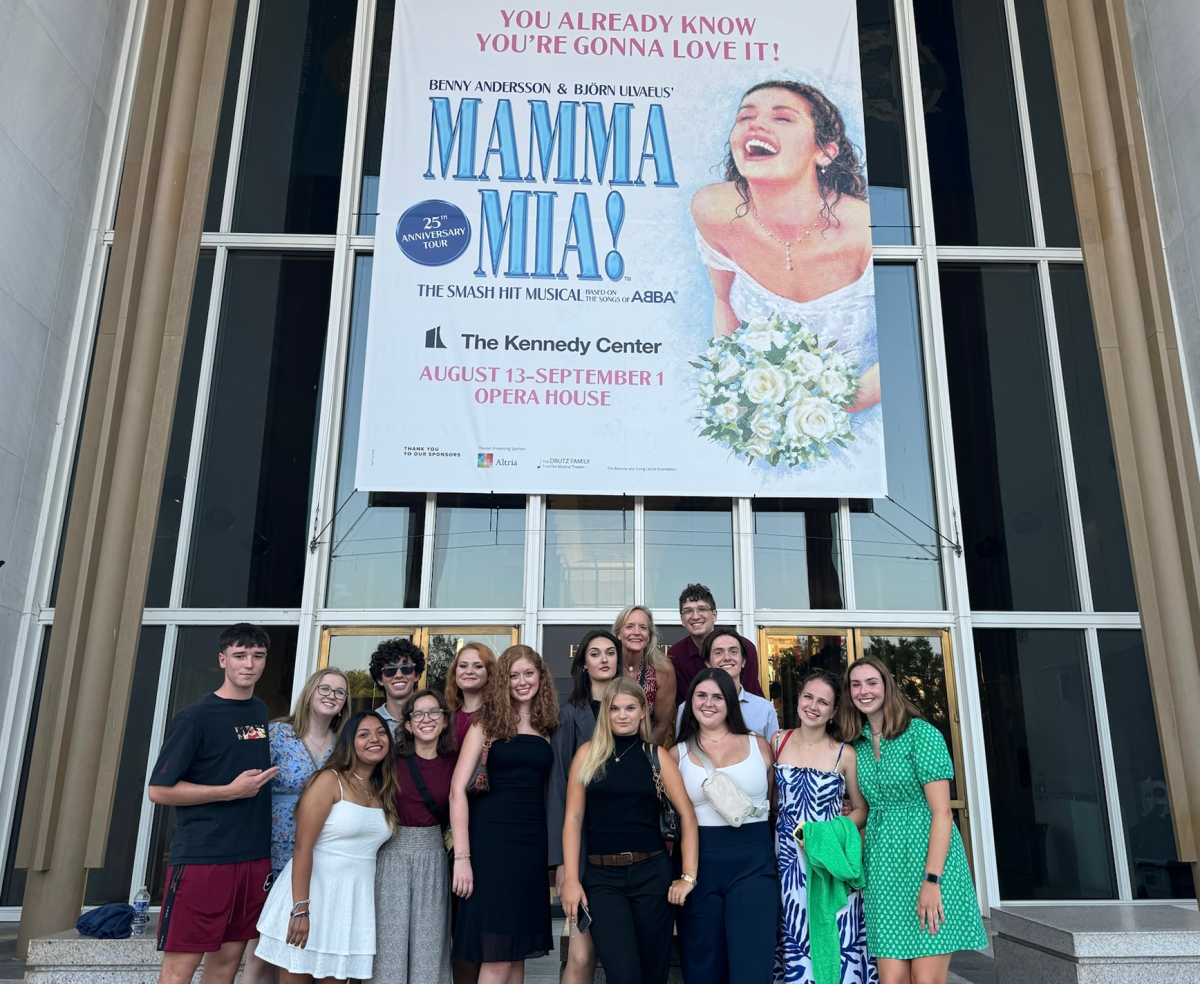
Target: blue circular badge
column 433, row 233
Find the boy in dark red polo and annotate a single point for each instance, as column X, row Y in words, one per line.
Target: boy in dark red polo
column 214, row 768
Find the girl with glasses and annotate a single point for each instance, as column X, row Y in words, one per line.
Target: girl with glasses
column 300, row 745
column 412, row 879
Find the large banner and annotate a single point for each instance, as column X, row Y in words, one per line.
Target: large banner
column 624, row 251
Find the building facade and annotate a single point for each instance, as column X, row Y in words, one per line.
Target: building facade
column 191, row 427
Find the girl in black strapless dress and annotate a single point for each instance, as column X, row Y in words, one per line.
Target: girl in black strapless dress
column 500, row 842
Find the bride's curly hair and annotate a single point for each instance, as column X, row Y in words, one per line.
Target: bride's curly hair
column 498, row 716
column 842, row 176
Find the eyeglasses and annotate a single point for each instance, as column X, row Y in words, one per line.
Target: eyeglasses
column 325, row 691
column 436, row 713
column 695, row 610
column 404, row 669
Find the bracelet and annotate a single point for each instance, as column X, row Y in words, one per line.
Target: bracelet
column 298, row 904
column 690, row 879
column 462, row 857
column 299, row 915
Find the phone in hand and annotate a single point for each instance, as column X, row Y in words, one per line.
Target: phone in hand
column 583, row 920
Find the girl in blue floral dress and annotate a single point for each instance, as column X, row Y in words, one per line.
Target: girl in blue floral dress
column 814, row 772
column 300, row 745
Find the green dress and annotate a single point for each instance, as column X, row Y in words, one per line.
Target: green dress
column 896, row 842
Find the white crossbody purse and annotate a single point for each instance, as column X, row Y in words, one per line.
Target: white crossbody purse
column 732, row 803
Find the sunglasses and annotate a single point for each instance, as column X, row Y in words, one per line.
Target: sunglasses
column 404, row 669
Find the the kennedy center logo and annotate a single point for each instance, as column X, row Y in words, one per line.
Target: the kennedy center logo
column 483, row 461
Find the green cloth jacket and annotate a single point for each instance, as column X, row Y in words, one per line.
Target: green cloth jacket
column 833, row 855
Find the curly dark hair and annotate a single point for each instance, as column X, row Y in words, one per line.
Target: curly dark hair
column 395, row 651
column 843, row 175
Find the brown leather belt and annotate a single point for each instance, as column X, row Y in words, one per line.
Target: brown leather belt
column 621, row 860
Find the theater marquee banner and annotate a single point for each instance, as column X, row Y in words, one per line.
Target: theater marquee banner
column 624, row 250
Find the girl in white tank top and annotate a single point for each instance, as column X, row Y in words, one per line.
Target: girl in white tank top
column 750, row 774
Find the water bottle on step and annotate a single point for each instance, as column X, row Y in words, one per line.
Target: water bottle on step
column 141, row 912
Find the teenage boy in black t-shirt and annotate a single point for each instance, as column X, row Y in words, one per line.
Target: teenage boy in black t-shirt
column 214, row 768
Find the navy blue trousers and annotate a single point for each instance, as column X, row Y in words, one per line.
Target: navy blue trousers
column 730, row 920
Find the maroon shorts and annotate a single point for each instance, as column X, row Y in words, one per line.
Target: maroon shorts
column 208, row 905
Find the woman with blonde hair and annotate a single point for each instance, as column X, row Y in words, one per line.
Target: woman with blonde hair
column 465, row 684
column 500, row 842
column 642, row 661
column 919, row 901
column 626, row 887
column 300, row 745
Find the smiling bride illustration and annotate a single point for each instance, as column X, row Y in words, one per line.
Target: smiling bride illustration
column 792, row 376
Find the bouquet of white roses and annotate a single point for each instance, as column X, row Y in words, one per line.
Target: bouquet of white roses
column 770, row 391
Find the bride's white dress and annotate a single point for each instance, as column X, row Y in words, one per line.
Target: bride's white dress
column 843, row 319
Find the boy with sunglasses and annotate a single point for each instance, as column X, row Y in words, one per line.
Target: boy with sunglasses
column 396, row 666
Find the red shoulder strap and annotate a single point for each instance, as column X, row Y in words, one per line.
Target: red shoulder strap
column 786, row 735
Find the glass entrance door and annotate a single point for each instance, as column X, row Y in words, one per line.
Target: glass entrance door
column 919, row 660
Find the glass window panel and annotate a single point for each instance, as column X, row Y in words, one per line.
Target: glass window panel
column 893, row 539
column 1109, row 568
column 220, row 165
column 291, row 163
column 1154, row 865
column 377, row 537
column 883, row 114
column 790, row 655
column 250, row 536
column 1045, row 126
column 1048, row 808
column 12, row 884
column 1015, row 532
column 351, row 652
column 589, row 552
column 479, row 551
column 797, row 556
column 170, row 503
column 687, row 540
column 381, row 59
column 197, row 673
column 980, row 197
column 112, row 882
column 446, row 644
column 559, row 644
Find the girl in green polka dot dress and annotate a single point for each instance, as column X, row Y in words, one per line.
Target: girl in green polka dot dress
column 919, row 901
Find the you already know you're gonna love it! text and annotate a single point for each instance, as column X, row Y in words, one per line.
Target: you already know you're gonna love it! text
column 624, row 252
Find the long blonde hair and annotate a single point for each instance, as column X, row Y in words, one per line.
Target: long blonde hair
column 653, row 654
column 454, row 694
column 601, row 745
column 498, row 713
column 898, row 710
column 299, row 718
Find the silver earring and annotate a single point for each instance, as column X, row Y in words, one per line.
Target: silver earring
column 822, row 169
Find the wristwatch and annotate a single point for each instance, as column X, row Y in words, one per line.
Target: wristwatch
column 690, row 879
column 932, row 878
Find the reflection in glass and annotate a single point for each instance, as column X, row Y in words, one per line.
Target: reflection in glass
column 797, row 557
column 377, row 537
column 197, row 673
column 589, row 552
column 479, row 551
column 1015, row 531
column 1048, row 806
column 250, row 538
column 980, row 197
column 688, row 540
column 12, row 881
column 112, row 883
column 350, row 651
column 291, row 166
column 894, row 539
column 559, row 643
column 1154, row 864
column 381, row 59
column 1045, row 126
column 1109, row 568
column 220, row 164
column 883, row 116
column 170, row 505
column 790, row 657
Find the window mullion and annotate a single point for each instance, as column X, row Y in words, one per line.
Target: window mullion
column 1018, row 74
column 846, row 554
column 639, row 548
column 535, row 551
column 426, row 599
column 239, row 116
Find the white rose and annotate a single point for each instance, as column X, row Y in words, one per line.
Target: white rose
column 814, row 418
column 726, row 412
column 764, row 425
column 767, row 384
column 833, row 384
column 758, row 324
column 729, row 371
column 758, row 447
column 761, row 339
column 808, row 366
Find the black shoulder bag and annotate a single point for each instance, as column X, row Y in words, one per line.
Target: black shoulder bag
column 668, row 818
column 435, row 811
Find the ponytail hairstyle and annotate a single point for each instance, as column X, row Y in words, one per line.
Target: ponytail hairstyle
column 601, row 745
column 898, row 710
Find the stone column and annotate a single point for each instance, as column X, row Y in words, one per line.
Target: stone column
column 1139, row 358
column 173, row 123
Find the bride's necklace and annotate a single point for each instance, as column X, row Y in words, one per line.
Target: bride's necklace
column 787, row 245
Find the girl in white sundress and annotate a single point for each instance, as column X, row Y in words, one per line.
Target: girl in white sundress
column 318, row 923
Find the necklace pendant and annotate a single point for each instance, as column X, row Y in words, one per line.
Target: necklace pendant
column 789, row 255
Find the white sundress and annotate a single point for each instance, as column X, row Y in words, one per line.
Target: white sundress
column 341, row 941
